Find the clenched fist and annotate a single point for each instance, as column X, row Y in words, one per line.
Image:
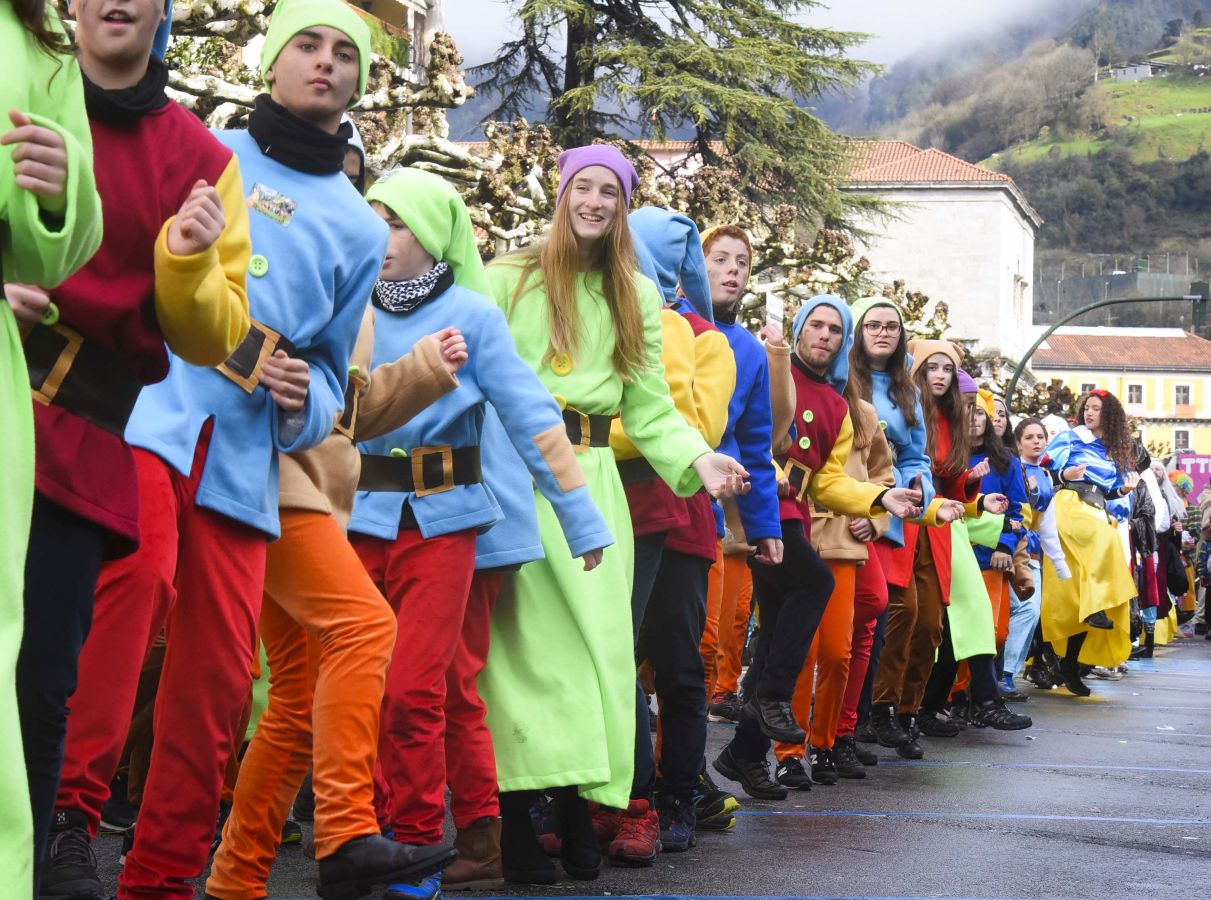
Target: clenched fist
column 198, row 223
column 39, row 160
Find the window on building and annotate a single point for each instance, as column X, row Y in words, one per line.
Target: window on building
column 1087, row 386
column 1181, row 395
column 1181, row 439
column 1135, row 394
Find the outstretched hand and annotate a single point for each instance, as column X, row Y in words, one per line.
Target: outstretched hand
column 951, row 511
column 996, row 503
column 721, row 475
column 903, row 503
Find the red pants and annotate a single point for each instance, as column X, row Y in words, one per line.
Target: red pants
column 328, row 635
column 735, row 604
column 825, row 684
column 428, row 584
column 870, row 599
column 199, row 574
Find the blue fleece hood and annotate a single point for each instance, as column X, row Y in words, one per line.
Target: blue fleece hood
column 838, row 372
column 669, row 249
column 159, row 44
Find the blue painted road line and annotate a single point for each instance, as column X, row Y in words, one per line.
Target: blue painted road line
column 980, row 764
column 1023, row 817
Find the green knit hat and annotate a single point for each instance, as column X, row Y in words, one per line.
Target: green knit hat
column 431, row 207
column 292, row 16
column 861, row 307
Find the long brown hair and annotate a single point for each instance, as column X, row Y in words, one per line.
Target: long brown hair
column 994, row 448
column 863, row 432
column 556, row 261
column 903, row 392
column 957, row 411
column 34, row 15
column 1116, row 434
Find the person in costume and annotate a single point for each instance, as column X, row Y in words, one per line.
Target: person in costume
column 970, row 615
column 559, row 684
column 1087, row 586
column 207, row 443
column 675, row 545
column 844, row 544
column 168, row 277
column 417, row 537
column 747, row 436
column 916, row 617
column 1031, row 438
column 50, row 224
column 328, row 637
column 792, row 595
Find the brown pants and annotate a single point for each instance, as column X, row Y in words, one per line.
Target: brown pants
column 913, row 635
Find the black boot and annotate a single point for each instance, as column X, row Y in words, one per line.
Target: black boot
column 910, row 749
column 1071, row 674
column 845, row 755
column 887, row 727
column 867, row 757
column 579, row 850
column 522, row 857
column 370, row 860
column 1100, row 620
column 933, row 725
column 776, row 720
column 1144, row 650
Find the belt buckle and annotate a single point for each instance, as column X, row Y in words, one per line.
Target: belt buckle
column 269, row 344
column 46, row 392
column 418, row 470
column 586, row 432
column 793, row 465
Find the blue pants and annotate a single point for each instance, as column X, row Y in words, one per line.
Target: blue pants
column 1023, row 617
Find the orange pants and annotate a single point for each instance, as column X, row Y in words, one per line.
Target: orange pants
column 827, row 665
column 729, row 603
column 997, row 584
column 328, row 635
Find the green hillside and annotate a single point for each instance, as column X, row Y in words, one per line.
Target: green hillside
column 1152, row 119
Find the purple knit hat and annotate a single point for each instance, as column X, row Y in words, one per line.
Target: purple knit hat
column 572, row 161
column 967, row 384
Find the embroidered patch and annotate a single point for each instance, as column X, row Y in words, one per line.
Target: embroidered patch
column 271, row 203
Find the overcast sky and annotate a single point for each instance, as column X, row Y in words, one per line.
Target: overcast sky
column 899, row 27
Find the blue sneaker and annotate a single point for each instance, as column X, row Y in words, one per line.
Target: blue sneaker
column 677, row 823
column 1009, row 690
column 429, row 889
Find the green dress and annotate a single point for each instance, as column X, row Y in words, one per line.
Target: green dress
column 970, row 613
column 34, row 249
column 559, row 683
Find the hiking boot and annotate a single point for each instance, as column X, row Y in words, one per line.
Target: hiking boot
column 887, row 728
column 776, row 720
column 292, row 833
column 910, row 749
column 824, row 770
column 999, row 716
column 752, row 775
column 723, row 708
column 790, row 773
column 70, row 869
column 606, row 820
column 638, row 836
column 933, row 725
column 372, row 859
column 1100, row 620
column 1040, row 677
column 118, row 814
column 676, row 823
column 478, row 866
column 845, row 755
column 865, row 733
column 1072, row 679
column 714, row 809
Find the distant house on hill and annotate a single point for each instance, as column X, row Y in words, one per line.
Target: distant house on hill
column 955, row 231
column 1139, row 71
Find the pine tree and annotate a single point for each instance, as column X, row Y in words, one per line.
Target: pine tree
column 738, row 74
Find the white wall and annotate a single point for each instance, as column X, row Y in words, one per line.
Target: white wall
column 968, row 247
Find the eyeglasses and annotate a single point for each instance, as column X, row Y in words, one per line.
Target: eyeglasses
column 874, row 328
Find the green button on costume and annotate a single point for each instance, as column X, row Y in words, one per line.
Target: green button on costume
column 559, row 683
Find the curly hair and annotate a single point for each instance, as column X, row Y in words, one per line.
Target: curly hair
column 35, row 16
column 1116, row 435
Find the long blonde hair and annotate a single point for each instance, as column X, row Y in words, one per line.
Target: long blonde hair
column 557, row 260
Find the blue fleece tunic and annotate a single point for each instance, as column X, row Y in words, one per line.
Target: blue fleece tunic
column 749, row 434
column 494, row 374
column 1012, row 484
column 908, row 447
column 317, row 247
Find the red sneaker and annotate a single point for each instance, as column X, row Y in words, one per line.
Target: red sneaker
column 638, row 840
column 605, row 823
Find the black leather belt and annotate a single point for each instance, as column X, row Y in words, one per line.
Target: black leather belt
column 585, row 431
column 1090, row 493
column 636, row 470
column 424, row 471
column 245, row 363
column 799, row 476
column 83, row 377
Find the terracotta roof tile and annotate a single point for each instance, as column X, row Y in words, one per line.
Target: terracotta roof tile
column 870, row 154
column 924, row 165
column 1091, row 351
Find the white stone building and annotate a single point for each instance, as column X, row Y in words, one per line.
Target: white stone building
column 954, row 231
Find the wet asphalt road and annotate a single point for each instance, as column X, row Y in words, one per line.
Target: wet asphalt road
column 1106, row 797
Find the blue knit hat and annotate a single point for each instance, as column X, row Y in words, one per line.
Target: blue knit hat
column 669, row 249
column 838, row 370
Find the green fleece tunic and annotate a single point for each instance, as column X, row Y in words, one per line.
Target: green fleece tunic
column 559, row 683
column 970, row 612
column 43, row 250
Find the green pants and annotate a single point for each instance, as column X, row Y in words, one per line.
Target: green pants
column 16, row 500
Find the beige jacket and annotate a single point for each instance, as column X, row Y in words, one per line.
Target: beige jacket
column 872, row 463
column 324, row 478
